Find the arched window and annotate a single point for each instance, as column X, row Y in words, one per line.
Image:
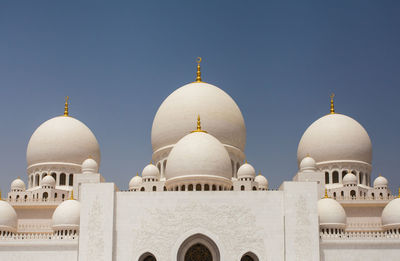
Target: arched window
column 165, row 188
column 342, row 193
column 55, row 195
column 326, row 177
column 147, row 257
column 190, row 187
column 334, row 194
column 142, row 189
column 54, row 175
column 249, row 257
column 198, row 187
column 254, row 188
column 63, row 196
column 220, row 187
column 183, row 187
column 37, row 180
column 206, row 187
column 198, row 247
column 71, row 179
column 242, row 187
column 154, row 188
column 335, row 177
column 17, row 198
column 214, row 187
column 373, row 195
column 344, row 172
column 62, row 179
column 353, row 193
column 25, row 197
column 45, row 195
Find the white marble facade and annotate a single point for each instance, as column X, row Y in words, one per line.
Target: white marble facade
column 199, row 198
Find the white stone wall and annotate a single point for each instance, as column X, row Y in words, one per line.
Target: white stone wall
column 237, row 221
column 361, row 250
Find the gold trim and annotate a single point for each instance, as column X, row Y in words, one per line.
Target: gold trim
column 198, row 126
column 66, row 107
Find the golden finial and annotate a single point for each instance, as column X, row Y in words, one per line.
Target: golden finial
column 332, row 104
column 380, row 175
column 397, row 195
column 199, row 125
column 72, row 195
column 198, row 61
column 245, row 161
column 326, row 193
column 137, row 174
column 259, row 173
column 66, row 106
column 0, row 194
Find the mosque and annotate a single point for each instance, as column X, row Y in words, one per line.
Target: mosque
column 200, row 198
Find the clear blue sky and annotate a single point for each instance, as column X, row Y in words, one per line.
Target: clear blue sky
column 279, row 60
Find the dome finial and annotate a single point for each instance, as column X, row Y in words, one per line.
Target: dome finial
column 72, row 195
column 66, row 106
column 198, row 78
column 326, row 193
column 0, row 194
column 332, row 104
column 397, row 195
column 199, row 125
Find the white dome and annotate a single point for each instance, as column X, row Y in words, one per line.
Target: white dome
column 391, row 214
column 8, row 217
column 335, row 137
column 246, row 171
column 90, row 166
column 135, row 182
column 176, row 116
column 62, row 139
column 150, row 171
column 262, row 181
column 48, row 181
column 331, row 214
column 199, row 156
column 67, row 215
column 349, row 178
column 308, row 164
column 380, row 182
column 18, row 185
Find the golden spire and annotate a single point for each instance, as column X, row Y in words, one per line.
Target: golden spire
column 397, row 195
column 199, row 125
column 66, row 106
column 326, row 193
column 0, row 194
column 332, row 104
column 72, row 195
column 245, row 161
column 137, row 174
column 198, row 78
column 259, row 173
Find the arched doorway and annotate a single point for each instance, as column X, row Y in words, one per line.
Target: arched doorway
column 249, row 257
column 147, row 257
column 198, row 248
column 198, row 252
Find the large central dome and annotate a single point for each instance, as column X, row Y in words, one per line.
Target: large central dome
column 177, row 115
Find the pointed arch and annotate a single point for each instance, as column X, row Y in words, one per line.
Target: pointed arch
column 198, row 243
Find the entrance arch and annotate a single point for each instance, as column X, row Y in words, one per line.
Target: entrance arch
column 198, row 247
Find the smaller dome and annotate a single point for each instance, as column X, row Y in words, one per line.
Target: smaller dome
column 262, row 182
column 90, row 166
column 350, row 179
column 8, row 217
column 48, row 182
column 246, row 171
column 67, row 215
column 199, row 157
column 391, row 214
column 135, row 182
column 380, row 182
column 331, row 214
column 18, row 185
column 308, row 165
column 150, row 171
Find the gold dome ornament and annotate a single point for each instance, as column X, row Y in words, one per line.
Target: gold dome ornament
column 198, row 78
column 332, row 104
column 198, row 126
column 66, row 106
